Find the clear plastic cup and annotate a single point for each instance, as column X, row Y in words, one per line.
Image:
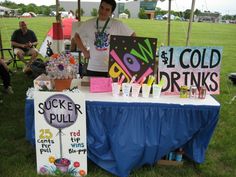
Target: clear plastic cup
column 135, row 89
column 146, row 90
column 126, row 87
column 115, row 89
column 156, row 91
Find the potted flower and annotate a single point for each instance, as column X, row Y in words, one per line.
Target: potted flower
column 62, row 68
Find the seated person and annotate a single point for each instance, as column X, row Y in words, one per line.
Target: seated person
column 4, row 73
column 24, row 41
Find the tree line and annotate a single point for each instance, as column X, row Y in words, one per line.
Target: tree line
column 46, row 10
column 22, row 8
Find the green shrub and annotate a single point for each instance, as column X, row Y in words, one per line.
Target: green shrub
column 142, row 14
column 94, row 12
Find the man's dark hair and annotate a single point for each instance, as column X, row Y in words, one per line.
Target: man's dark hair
column 111, row 2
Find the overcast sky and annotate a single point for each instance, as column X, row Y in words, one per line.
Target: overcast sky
column 222, row 6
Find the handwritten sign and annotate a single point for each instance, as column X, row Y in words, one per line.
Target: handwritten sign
column 60, row 133
column 198, row 66
column 131, row 56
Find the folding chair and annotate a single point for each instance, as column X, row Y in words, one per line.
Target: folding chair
column 15, row 59
column 2, row 50
column 11, row 59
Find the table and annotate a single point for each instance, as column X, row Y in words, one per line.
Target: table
column 125, row 133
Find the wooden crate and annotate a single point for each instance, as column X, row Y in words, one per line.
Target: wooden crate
column 170, row 163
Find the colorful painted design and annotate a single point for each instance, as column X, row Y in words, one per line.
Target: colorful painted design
column 61, row 166
column 101, row 41
column 132, row 56
column 59, row 111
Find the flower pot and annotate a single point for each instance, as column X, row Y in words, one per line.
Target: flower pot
column 62, row 84
column 62, row 164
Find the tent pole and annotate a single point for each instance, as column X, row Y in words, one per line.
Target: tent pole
column 190, row 23
column 78, row 13
column 169, row 10
column 58, row 19
column 2, row 54
column 58, row 16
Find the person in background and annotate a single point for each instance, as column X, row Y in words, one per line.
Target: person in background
column 24, row 42
column 4, row 73
column 96, row 32
column 71, row 14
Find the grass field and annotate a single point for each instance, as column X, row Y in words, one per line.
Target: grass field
column 17, row 156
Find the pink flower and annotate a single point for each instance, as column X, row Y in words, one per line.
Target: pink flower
column 76, row 164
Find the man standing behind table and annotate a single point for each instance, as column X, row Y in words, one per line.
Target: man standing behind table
column 24, row 41
column 96, row 32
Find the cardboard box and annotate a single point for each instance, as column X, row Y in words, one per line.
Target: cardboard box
column 43, row 82
column 170, row 162
column 85, row 81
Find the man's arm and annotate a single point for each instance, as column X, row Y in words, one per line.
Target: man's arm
column 81, row 46
column 33, row 44
column 123, row 29
column 14, row 39
column 27, row 45
column 35, row 41
column 16, row 44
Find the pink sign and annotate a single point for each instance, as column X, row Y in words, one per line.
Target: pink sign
column 100, row 84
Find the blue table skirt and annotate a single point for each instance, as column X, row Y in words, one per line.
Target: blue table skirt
column 29, row 121
column 125, row 136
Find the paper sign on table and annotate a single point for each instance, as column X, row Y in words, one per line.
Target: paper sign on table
column 100, row 84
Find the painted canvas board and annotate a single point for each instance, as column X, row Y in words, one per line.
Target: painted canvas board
column 132, row 56
column 60, row 133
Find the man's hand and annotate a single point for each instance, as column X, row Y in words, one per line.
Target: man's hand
column 23, row 45
column 27, row 45
column 86, row 54
column 30, row 44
